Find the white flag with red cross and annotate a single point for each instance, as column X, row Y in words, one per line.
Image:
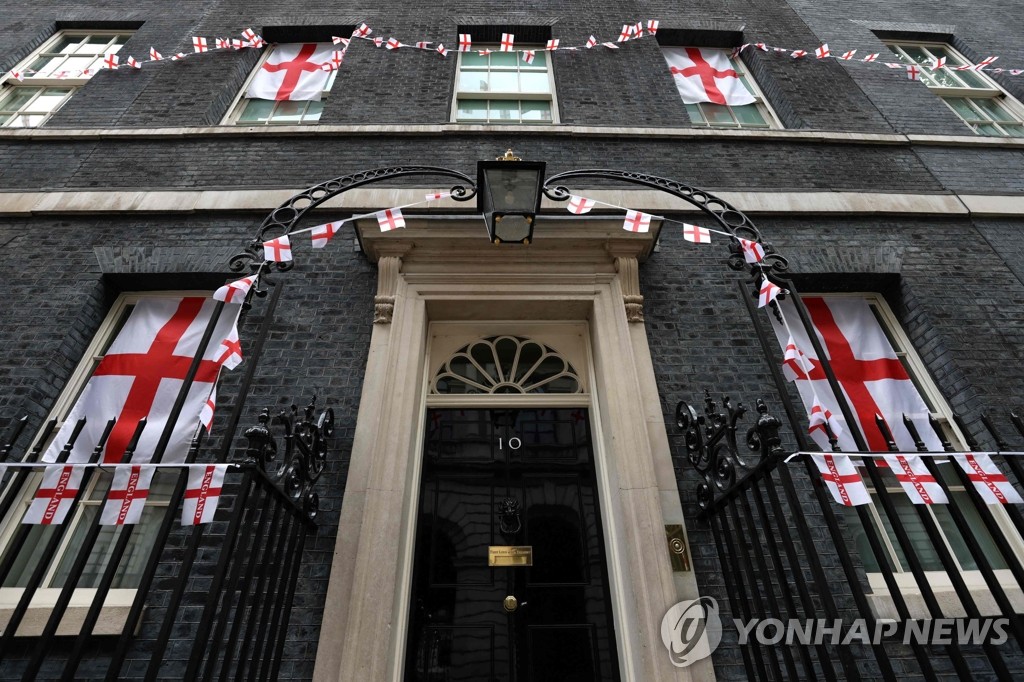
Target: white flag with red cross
column 794, row 362
column 841, row 479
column 696, row 234
column 202, row 494
column 768, row 293
column 234, row 292
column 321, row 234
column 637, row 221
column 507, row 42
column 200, row 44
column 278, row 250
column 870, row 374
column 917, row 482
column 390, row 219
column 437, row 196
column 988, row 480
column 753, row 252
column 293, row 71
column 819, row 418
column 55, row 496
column 141, row 375
column 579, row 205
column 230, row 352
column 206, row 416
column 465, row 42
column 127, row 496
column 706, row 75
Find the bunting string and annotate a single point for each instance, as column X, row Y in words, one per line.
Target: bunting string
column 630, row 32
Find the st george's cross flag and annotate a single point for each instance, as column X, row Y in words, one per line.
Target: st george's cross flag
column 234, row 292
column 768, row 293
column 753, row 252
column 821, row 419
column 579, row 205
column 637, row 221
column 794, row 362
column 870, row 374
column 141, row 374
column 293, row 71
column 229, row 354
column 321, row 234
column 127, row 496
column 202, row 494
column 917, row 482
column 706, row 75
column 55, row 496
column 209, row 407
column 841, row 479
column 278, row 250
column 696, row 234
column 390, row 219
column 988, row 480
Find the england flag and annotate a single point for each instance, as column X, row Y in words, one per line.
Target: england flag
column 706, row 75
column 293, row 71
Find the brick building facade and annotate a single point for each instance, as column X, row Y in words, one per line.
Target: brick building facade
column 869, row 183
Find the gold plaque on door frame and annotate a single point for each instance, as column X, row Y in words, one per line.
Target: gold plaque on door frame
column 510, row 555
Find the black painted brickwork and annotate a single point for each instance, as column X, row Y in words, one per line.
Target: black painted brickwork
column 697, row 327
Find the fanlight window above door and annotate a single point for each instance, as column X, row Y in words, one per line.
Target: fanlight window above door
column 506, row 365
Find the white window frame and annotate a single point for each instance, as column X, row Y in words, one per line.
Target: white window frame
column 940, row 410
column 46, row 597
column 772, row 121
column 549, row 96
column 233, row 117
column 990, row 91
column 9, row 84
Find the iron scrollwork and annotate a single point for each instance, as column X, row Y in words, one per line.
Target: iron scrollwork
column 772, row 266
column 297, row 470
column 286, row 217
column 711, row 443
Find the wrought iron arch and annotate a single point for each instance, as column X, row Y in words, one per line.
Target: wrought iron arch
column 285, row 217
column 725, row 214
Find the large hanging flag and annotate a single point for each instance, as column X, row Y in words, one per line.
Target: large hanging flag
column 140, row 376
column 202, row 495
column 293, row 71
column 706, row 75
column 870, row 374
column 841, row 479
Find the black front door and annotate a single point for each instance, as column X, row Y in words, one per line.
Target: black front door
column 509, row 478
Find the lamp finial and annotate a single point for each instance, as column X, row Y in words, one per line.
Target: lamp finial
column 509, row 156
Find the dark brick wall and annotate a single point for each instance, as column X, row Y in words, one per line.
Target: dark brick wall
column 958, row 283
column 72, row 271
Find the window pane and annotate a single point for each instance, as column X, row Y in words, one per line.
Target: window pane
column 28, row 559
column 472, row 109
column 988, row 546
column 504, row 111
column 717, row 114
column 504, row 59
column 973, row 80
column 1013, row 130
column 533, row 82
column 911, row 522
column 17, row 98
column 80, row 63
column 961, row 107
column 504, row 81
column 49, row 101
column 46, row 65
column 993, row 110
column 472, row 81
column 96, row 45
column 257, row 110
column 473, row 59
column 917, row 54
column 536, row 111
column 288, row 112
column 313, row 111
column 749, row 114
column 695, row 114
column 989, row 130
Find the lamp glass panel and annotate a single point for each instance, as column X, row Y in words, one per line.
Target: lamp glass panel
column 513, row 189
